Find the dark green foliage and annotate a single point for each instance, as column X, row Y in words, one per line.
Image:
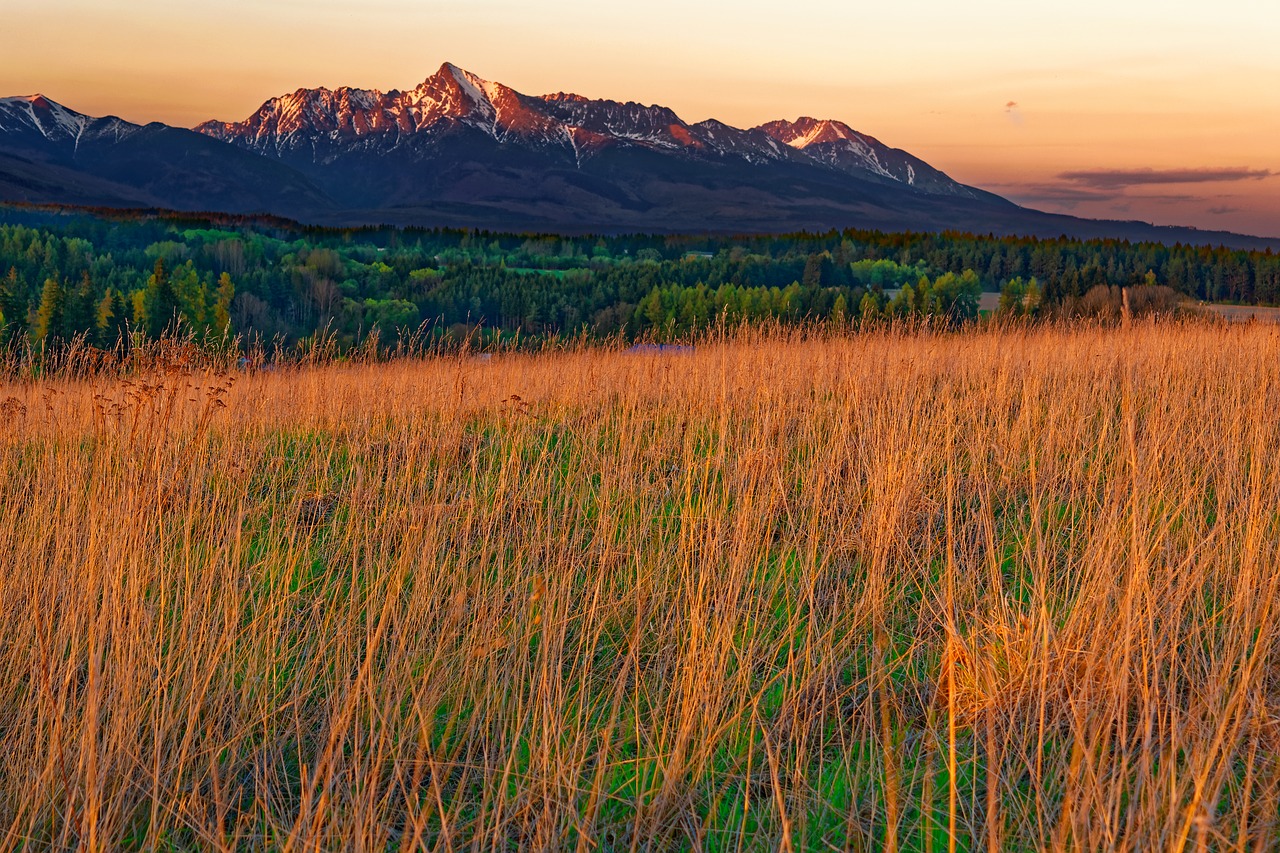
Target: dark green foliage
column 101, row 276
column 160, row 302
column 1020, row 298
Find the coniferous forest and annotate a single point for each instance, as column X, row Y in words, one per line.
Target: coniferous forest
column 104, row 277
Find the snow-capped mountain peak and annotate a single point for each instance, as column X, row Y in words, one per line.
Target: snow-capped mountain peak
column 48, row 117
column 453, row 92
column 320, row 126
column 481, row 92
column 840, row 147
column 37, row 116
column 807, row 131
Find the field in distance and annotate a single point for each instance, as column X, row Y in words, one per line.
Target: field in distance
column 1011, row 586
column 1244, row 313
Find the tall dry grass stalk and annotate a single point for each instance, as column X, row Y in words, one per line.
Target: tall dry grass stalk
column 1011, row 589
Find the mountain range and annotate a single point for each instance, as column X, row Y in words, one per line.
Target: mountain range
column 459, row 150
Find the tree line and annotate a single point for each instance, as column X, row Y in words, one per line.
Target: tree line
column 103, row 278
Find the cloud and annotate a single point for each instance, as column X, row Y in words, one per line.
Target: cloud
column 1069, row 197
column 1169, row 199
column 1013, row 112
column 1057, row 194
column 1223, row 210
column 1009, row 106
column 1119, row 179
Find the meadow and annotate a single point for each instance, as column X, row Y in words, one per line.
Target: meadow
column 1008, row 588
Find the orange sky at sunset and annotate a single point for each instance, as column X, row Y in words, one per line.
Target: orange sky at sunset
column 1165, row 112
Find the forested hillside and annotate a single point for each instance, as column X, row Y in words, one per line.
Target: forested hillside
column 106, row 277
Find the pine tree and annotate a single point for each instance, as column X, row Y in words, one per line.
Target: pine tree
column 138, row 308
column 112, row 320
column 222, row 306
column 78, row 307
column 868, row 307
column 105, row 313
column 11, row 308
column 48, row 319
column 839, row 310
column 160, row 301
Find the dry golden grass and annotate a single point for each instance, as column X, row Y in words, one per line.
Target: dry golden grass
column 1007, row 589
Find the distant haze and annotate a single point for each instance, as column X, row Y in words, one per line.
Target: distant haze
column 1167, row 112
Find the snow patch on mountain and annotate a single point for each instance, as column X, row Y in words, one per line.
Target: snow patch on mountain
column 474, row 88
column 321, row 125
column 38, row 116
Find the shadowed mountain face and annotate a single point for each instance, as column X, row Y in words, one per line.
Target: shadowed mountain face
column 461, row 151
column 318, row 127
column 461, row 148
column 49, row 153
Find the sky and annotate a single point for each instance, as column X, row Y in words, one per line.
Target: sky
column 1166, row 112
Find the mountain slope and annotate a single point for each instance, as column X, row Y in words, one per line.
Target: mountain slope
column 49, row 153
column 461, row 151
column 841, row 147
column 313, row 129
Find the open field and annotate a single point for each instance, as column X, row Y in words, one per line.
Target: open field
column 1244, row 313
column 1012, row 589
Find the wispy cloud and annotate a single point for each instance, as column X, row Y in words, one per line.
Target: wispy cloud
column 1055, row 194
column 1164, row 198
column 1068, row 196
column 1119, row 179
column 1223, row 210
